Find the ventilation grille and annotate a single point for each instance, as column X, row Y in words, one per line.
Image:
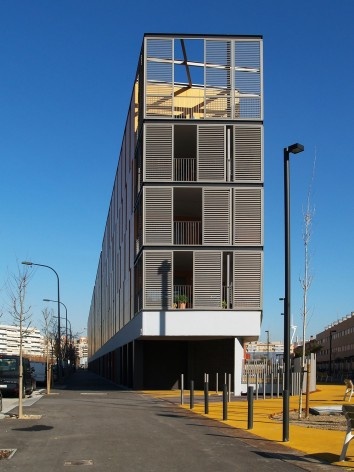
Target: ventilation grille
column 247, row 280
column 211, row 153
column 157, row 279
column 248, row 216
column 158, row 153
column 216, row 216
column 207, row 279
column 158, row 215
column 248, row 153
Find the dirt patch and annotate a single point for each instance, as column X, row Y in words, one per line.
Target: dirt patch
column 7, row 453
column 336, row 422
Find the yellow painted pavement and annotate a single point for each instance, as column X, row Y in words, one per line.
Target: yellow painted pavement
column 323, row 444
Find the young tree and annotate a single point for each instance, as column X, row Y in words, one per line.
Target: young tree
column 306, row 281
column 49, row 341
column 17, row 287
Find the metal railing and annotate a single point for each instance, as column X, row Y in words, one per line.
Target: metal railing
column 198, row 106
column 182, row 291
column 185, row 169
column 187, row 232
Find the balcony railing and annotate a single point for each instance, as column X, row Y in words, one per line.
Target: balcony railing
column 227, row 296
column 187, row 232
column 200, row 107
column 185, row 169
column 182, row 291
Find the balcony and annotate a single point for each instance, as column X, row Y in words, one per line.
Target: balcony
column 187, row 233
column 181, row 293
column 185, row 169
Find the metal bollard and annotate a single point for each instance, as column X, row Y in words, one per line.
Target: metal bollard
column 182, row 389
column 224, row 402
column 250, row 408
column 191, row 395
column 206, row 397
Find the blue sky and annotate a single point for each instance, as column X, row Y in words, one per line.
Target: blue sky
column 66, row 74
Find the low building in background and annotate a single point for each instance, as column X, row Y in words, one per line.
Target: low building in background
column 259, row 350
column 336, row 355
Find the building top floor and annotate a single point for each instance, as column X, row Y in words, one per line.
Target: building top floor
column 199, row 77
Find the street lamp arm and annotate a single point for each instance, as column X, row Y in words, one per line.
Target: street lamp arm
column 30, row 263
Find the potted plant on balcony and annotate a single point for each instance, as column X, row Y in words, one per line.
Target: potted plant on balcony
column 224, row 304
column 181, row 300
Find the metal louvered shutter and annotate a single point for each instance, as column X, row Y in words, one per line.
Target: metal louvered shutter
column 218, row 79
column 158, row 153
column 248, row 153
column 207, row 279
column 158, row 279
column 158, row 215
column 247, row 280
column 248, row 211
column 248, row 79
column 216, row 216
column 211, row 153
column 159, row 77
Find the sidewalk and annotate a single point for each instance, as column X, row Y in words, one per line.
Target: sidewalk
column 322, row 444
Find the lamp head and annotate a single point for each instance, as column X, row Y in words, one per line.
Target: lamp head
column 295, row 148
column 27, row 263
column 46, row 300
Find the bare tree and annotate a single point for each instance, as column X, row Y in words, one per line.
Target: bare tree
column 306, row 281
column 49, row 342
column 17, row 287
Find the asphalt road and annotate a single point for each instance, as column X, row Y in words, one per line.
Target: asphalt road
column 93, row 424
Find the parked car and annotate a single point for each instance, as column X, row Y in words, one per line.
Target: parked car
column 9, row 375
column 39, row 372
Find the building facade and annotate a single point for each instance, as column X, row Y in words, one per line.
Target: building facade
column 336, row 354
column 179, row 281
column 81, row 351
column 32, row 341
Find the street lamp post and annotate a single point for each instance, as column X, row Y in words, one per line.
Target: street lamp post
column 58, row 288
column 293, row 149
column 66, row 317
column 330, row 350
column 267, row 345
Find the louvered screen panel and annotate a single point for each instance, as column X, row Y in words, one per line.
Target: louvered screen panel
column 248, row 165
column 158, row 153
column 217, row 79
column 216, row 216
column 158, row 279
column 157, row 215
column 248, row 79
column 207, row 279
column 211, row 153
column 159, row 77
column 247, row 293
column 248, row 210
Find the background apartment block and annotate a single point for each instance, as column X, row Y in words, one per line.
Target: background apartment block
column 186, row 217
column 336, row 354
column 32, row 343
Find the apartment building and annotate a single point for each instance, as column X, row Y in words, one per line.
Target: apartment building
column 336, row 353
column 81, row 351
column 179, row 280
column 32, row 341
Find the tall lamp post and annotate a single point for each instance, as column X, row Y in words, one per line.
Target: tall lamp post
column 267, row 344
column 66, row 317
column 293, row 149
column 56, row 273
column 330, row 350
